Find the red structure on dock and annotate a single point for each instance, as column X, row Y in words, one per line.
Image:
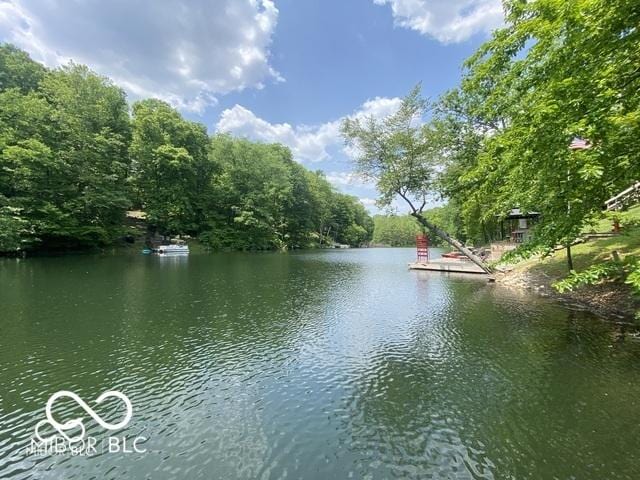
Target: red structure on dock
column 422, row 247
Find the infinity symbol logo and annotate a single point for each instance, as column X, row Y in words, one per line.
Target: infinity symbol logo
column 74, row 423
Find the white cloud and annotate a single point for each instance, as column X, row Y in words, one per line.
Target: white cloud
column 345, row 179
column 308, row 143
column 183, row 53
column 448, row 21
column 379, row 107
column 368, row 202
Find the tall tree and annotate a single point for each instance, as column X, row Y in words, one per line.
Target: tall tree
column 262, row 199
column 251, row 194
column 556, row 71
column 91, row 136
column 398, row 154
column 17, row 70
column 63, row 155
column 395, row 230
column 171, row 171
column 66, row 178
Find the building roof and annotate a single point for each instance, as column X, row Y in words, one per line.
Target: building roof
column 516, row 214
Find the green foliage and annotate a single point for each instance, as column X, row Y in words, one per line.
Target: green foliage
column 17, row 70
column 614, row 270
column 448, row 218
column 395, row 152
column 262, row 199
column 590, row 276
column 557, row 70
column 63, row 155
column 402, row 155
column 72, row 161
column 170, row 168
column 14, row 229
column 251, row 195
column 395, row 231
column 633, row 277
column 524, row 252
column 401, row 231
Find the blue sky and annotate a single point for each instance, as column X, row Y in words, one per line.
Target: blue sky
column 335, row 55
column 282, row 70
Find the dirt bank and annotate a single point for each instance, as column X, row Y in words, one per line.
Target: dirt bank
column 611, row 300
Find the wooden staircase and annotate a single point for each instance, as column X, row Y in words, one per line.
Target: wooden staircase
column 624, row 199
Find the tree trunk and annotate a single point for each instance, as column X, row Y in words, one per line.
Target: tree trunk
column 453, row 242
column 569, row 257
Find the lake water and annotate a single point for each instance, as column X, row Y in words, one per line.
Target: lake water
column 312, row 365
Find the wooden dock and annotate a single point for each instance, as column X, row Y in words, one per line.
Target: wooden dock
column 446, row 265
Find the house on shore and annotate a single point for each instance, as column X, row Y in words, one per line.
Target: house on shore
column 515, row 228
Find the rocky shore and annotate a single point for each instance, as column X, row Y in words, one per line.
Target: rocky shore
column 610, row 300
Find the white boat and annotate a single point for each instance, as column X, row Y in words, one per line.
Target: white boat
column 173, row 250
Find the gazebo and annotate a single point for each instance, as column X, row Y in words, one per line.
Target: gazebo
column 515, row 227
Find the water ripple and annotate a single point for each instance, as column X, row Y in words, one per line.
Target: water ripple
column 312, row 365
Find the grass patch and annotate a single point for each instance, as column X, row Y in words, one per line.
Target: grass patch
column 586, row 254
column 605, row 224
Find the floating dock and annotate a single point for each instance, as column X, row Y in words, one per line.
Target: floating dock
column 446, row 265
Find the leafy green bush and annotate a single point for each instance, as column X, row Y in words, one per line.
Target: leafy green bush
column 627, row 270
column 524, row 252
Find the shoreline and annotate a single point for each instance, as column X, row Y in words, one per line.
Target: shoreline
column 612, row 301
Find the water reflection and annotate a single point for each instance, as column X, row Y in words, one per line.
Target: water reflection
column 314, row 364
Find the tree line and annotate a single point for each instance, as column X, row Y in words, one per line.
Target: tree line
column 401, row 230
column 546, row 119
column 74, row 157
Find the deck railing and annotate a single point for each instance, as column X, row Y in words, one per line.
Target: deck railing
column 631, row 194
